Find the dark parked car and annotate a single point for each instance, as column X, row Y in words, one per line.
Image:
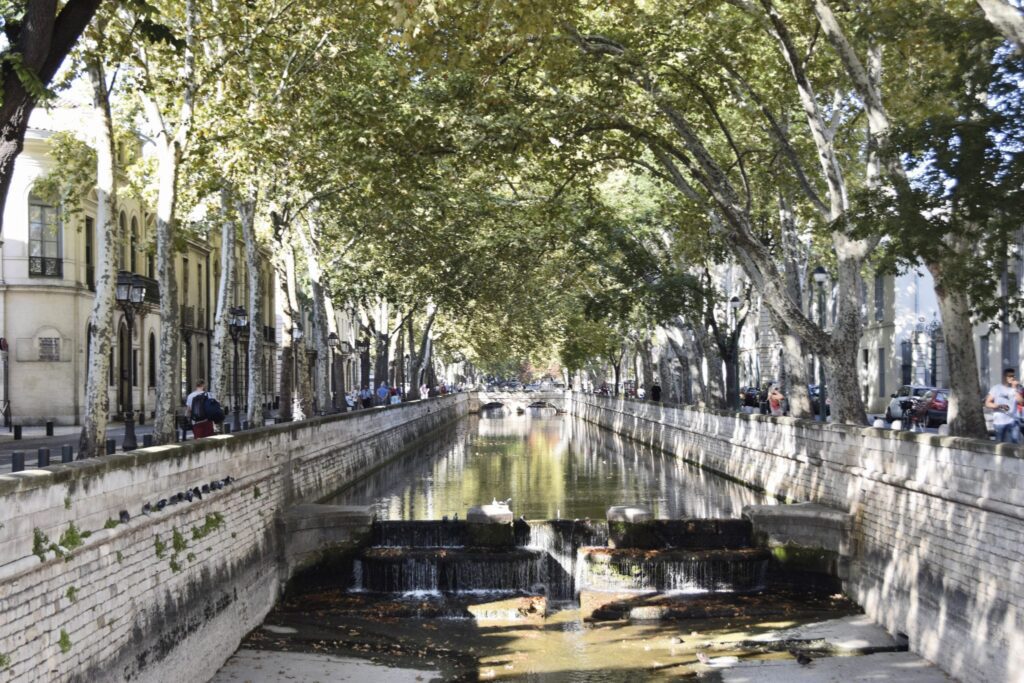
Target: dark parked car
column 932, row 407
column 749, row 397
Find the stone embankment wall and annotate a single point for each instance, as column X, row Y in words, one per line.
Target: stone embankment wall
column 938, row 537
column 168, row 595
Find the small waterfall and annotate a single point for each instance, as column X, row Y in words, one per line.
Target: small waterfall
column 406, row 570
column 561, row 540
column 419, row 534
column 357, row 576
column 671, row 570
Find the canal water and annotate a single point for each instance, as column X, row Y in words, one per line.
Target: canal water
column 552, row 467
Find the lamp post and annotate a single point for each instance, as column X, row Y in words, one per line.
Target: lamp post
column 363, row 347
column 333, row 342
column 820, row 276
column 345, row 367
column 236, row 324
column 734, row 352
column 130, row 293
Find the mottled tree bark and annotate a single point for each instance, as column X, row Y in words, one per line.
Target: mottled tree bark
column 91, row 441
column 219, row 379
column 254, row 398
column 965, row 415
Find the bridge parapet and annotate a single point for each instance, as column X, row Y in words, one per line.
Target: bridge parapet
column 520, row 400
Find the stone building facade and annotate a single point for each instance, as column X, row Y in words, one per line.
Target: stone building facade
column 47, row 264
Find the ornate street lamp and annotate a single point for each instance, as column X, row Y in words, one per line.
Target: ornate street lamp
column 238, row 321
column 130, row 293
column 334, row 342
column 820, row 277
column 296, row 338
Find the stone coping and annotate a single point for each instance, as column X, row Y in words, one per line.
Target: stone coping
column 962, row 443
column 14, row 482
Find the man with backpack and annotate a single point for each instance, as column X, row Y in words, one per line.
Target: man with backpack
column 203, row 411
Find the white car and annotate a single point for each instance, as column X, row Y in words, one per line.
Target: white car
column 894, row 411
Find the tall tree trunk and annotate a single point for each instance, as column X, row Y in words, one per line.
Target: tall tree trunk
column 101, row 321
column 794, row 376
column 965, row 415
column 843, row 382
column 647, row 363
column 247, row 219
column 1009, row 21
column 418, row 359
column 219, row 353
column 168, row 390
column 320, row 322
column 301, row 408
column 286, row 397
column 665, row 376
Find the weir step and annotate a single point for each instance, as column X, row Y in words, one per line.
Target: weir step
column 447, row 570
column 696, row 571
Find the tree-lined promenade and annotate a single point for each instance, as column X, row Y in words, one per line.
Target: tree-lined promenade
column 481, row 185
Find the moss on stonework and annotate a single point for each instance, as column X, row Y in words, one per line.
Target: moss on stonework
column 64, row 642
column 72, row 594
column 120, row 557
column 175, row 567
column 178, row 541
column 110, row 523
column 213, row 522
column 256, row 493
column 67, row 502
column 40, row 544
column 159, row 546
column 71, row 538
column 5, row 661
column 795, row 557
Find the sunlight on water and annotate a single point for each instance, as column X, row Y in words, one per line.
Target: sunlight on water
column 549, row 465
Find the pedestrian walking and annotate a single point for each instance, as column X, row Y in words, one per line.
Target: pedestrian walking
column 1005, row 401
column 656, row 392
column 383, row 393
column 196, row 405
column 366, row 396
column 775, row 399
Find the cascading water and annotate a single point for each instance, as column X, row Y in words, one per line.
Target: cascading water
column 685, row 571
column 561, row 540
column 439, row 570
column 419, row 534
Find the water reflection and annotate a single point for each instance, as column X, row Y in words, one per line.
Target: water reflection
column 550, row 465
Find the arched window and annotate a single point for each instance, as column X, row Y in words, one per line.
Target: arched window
column 122, row 230
column 44, row 239
column 152, row 359
column 133, row 246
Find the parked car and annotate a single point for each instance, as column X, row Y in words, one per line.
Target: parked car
column 749, row 397
column 932, row 407
column 894, row 411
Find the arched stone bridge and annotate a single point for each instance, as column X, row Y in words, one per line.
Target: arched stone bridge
column 518, row 400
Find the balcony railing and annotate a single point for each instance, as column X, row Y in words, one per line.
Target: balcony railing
column 45, row 266
column 188, row 316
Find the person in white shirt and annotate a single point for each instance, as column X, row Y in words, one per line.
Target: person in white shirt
column 1006, row 402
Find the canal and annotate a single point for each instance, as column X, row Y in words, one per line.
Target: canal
column 413, row 626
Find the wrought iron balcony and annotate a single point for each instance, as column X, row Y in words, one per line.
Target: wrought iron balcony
column 45, row 266
column 188, row 316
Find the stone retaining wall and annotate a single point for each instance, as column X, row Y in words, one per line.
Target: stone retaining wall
column 938, row 538
column 168, row 595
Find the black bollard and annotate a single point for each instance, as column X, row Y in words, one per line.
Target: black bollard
column 44, row 457
column 245, row 425
column 147, row 440
column 142, row 417
column 67, row 454
column 49, row 427
column 111, row 446
column 226, row 429
column 17, row 432
column 17, row 461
